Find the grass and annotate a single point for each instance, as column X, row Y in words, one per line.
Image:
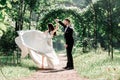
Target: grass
column 12, row 72
column 95, row 66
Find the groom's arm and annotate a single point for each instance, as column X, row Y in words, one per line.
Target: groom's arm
column 62, row 24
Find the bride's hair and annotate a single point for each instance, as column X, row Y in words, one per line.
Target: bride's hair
column 51, row 28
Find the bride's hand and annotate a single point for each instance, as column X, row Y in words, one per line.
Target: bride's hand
column 56, row 20
column 57, row 27
column 66, row 45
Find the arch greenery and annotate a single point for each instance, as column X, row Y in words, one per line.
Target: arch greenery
column 62, row 14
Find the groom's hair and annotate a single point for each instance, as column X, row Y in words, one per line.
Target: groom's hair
column 68, row 20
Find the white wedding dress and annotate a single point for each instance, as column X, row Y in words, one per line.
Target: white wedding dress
column 40, row 47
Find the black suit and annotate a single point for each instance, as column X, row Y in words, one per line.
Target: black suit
column 68, row 35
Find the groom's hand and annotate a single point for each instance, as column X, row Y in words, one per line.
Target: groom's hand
column 66, row 45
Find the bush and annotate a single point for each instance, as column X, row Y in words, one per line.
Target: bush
column 7, row 43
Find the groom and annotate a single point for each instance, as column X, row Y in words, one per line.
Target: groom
column 68, row 35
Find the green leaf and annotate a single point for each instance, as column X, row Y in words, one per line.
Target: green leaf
column 3, row 26
column 9, row 5
column 119, row 24
column 3, row 2
column 15, row 0
column 1, row 33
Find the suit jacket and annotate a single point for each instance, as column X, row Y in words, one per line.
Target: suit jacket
column 68, row 34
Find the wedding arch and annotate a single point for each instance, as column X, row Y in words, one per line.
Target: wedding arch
column 61, row 14
column 73, row 14
column 77, row 18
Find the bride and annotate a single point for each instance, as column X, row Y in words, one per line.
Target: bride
column 39, row 45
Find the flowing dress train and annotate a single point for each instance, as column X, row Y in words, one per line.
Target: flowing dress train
column 40, row 47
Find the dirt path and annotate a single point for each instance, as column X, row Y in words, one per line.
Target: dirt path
column 57, row 74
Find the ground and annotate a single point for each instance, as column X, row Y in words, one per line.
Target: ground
column 57, row 74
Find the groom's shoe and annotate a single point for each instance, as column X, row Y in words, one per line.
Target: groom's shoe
column 69, row 68
column 65, row 67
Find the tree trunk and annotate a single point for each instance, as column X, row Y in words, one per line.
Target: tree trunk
column 30, row 19
column 83, row 41
column 110, row 29
column 19, row 23
column 93, row 7
column 95, row 27
column 19, row 19
column 37, row 21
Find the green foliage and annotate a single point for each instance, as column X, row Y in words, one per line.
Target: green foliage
column 3, row 2
column 91, row 23
column 96, row 22
column 7, row 43
column 2, row 28
column 48, row 18
column 31, row 3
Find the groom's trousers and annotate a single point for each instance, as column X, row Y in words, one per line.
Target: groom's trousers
column 69, row 56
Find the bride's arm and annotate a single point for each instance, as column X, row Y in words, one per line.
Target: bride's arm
column 46, row 32
column 56, row 28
